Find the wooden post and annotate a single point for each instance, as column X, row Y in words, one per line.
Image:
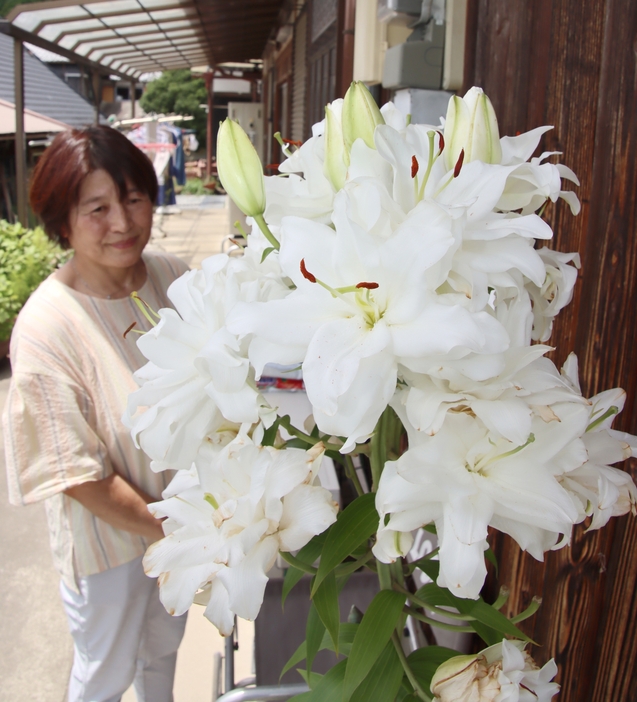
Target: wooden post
column 20, row 138
column 209, row 77
column 345, row 46
column 133, row 87
column 97, row 95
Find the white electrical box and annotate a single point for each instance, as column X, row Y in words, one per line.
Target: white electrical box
column 250, row 117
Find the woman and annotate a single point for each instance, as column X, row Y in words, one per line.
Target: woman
column 65, row 443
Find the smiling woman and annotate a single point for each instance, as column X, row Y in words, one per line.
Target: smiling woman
column 65, row 443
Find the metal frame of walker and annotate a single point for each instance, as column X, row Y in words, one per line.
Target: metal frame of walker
column 245, row 690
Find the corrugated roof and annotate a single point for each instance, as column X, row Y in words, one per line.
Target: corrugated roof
column 137, row 36
column 44, row 92
column 33, row 122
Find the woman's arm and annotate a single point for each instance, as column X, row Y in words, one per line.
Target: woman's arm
column 120, row 504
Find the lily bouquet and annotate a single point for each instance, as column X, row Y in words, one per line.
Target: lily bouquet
column 396, row 265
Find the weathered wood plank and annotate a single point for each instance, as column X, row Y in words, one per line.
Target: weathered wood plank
column 573, row 64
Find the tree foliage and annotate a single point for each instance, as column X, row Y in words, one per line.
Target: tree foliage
column 178, row 92
column 7, row 5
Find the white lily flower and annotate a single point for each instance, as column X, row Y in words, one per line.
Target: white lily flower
column 555, row 292
column 465, row 479
column 526, row 387
column 225, row 530
column 504, row 672
column 198, row 377
column 598, row 489
column 302, row 188
column 359, row 308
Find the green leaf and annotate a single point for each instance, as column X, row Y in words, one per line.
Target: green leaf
column 429, row 568
column 328, row 688
column 291, row 578
column 495, row 623
column 355, row 524
column 269, row 435
column 490, row 556
column 374, row 631
column 308, row 554
column 297, row 443
column 425, row 661
column 346, row 635
column 490, row 624
column 266, row 253
column 314, row 631
column 326, row 602
column 295, row 658
column 383, row 681
column 312, row 679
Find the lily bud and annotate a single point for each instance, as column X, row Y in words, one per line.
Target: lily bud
column 361, row 115
column 240, row 170
column 471, row 124
column 466, row 679
column 336, row 155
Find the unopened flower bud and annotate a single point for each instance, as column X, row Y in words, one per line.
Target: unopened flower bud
column 336, row 155
column 240, row 169
column 361, row 115
column 471, row 124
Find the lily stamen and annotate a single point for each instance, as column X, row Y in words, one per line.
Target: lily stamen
column 458, row 166
column 431, row 159
column 441, row 143
column 130, row 328
column 306, row 274
column 363, row 299
column 144, row 308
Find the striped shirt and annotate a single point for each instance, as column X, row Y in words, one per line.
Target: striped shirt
column 71, row 377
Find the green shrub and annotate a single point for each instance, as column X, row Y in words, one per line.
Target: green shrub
column 194, row 186
column 27, row 257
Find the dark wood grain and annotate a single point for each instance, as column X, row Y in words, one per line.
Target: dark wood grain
column 574, row 65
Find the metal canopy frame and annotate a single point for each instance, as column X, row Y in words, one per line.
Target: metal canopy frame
column 124, row 37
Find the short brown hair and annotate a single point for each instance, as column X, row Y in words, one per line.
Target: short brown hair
column 73, row 154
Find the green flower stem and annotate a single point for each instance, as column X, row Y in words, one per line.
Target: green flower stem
column 351, row 566
column 434, row 622
column 432, row 608
column 266, row 231
column 384, row 575
column 296, row 563
column 430, row 163
column 378, row 450
column 311, row 440
column 412, row 566
column 529, row 611
column 502, row 598
column 408, row 671
column 350, row 470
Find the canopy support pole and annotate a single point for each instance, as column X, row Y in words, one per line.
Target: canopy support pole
column 97, row 95
column 209, row 122
column 133, row 87
column 20, row 138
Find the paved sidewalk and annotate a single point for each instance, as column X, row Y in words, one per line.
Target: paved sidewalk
column 194, row 233
column 36, row 648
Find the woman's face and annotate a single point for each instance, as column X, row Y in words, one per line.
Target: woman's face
column 105, row 230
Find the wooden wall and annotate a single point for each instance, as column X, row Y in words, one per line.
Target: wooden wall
column 573, row 64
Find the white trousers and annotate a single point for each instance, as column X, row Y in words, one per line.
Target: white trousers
column 122, row 634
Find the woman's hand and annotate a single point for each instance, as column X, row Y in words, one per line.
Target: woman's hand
column 120, row 504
